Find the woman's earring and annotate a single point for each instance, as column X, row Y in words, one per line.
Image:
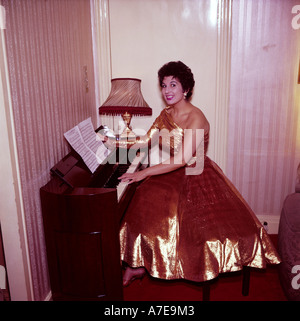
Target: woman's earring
column 184, row 94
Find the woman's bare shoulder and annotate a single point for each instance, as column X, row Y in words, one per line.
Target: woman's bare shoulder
column 197, row 119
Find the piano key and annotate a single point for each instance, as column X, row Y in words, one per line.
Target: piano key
column 121, row 187
column 113, row 180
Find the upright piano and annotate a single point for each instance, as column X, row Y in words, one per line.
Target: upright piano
column 81, row 215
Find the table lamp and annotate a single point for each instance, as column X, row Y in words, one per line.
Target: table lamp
column 125, row 99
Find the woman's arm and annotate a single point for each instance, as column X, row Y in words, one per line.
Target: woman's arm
column 140, row 142
column 192, row 139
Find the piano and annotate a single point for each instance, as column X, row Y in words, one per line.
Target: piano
column 81, row 215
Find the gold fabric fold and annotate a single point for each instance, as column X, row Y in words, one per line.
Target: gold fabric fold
column 191, row 227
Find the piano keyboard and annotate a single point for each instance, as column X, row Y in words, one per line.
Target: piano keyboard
column 113, row 181
column 121, row 187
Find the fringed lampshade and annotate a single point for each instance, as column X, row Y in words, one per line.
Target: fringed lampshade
column 125, row 99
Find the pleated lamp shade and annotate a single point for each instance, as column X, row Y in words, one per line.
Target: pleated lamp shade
column 125, row 96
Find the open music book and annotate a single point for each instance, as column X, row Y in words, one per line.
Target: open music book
column 87, row 144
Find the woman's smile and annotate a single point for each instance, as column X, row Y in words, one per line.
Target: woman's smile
column 172, row 90
column 169, row 97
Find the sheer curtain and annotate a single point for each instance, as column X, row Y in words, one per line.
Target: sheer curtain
column 264, row 123
column 49, row 48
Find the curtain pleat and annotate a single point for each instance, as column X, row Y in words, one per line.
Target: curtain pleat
column 48, row 45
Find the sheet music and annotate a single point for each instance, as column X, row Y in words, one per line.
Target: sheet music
column 87, row 144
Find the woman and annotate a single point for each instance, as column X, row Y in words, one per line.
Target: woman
column 180, row 224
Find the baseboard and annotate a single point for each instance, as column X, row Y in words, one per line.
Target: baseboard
column 272, row 221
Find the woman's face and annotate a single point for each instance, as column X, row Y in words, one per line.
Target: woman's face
column 172, row 90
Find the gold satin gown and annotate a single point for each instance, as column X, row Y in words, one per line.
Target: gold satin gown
column 191, row 227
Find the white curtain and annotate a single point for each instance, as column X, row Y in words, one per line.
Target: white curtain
column 264, row 112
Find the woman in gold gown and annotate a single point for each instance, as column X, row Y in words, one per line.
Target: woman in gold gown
column 187, row 220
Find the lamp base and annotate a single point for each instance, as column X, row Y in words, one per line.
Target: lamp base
column 128, row 134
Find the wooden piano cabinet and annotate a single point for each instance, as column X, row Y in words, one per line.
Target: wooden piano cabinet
column 82, row 241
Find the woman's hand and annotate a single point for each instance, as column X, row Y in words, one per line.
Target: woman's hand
column 133, row 177
column 109, row 143
column 102, row 137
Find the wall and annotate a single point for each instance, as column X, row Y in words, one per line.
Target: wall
column 48, row 45
column 264, row 117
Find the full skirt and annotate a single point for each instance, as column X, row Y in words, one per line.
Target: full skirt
column 193, row 227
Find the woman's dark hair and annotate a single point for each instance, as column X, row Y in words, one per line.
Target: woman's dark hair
column 178, row 70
